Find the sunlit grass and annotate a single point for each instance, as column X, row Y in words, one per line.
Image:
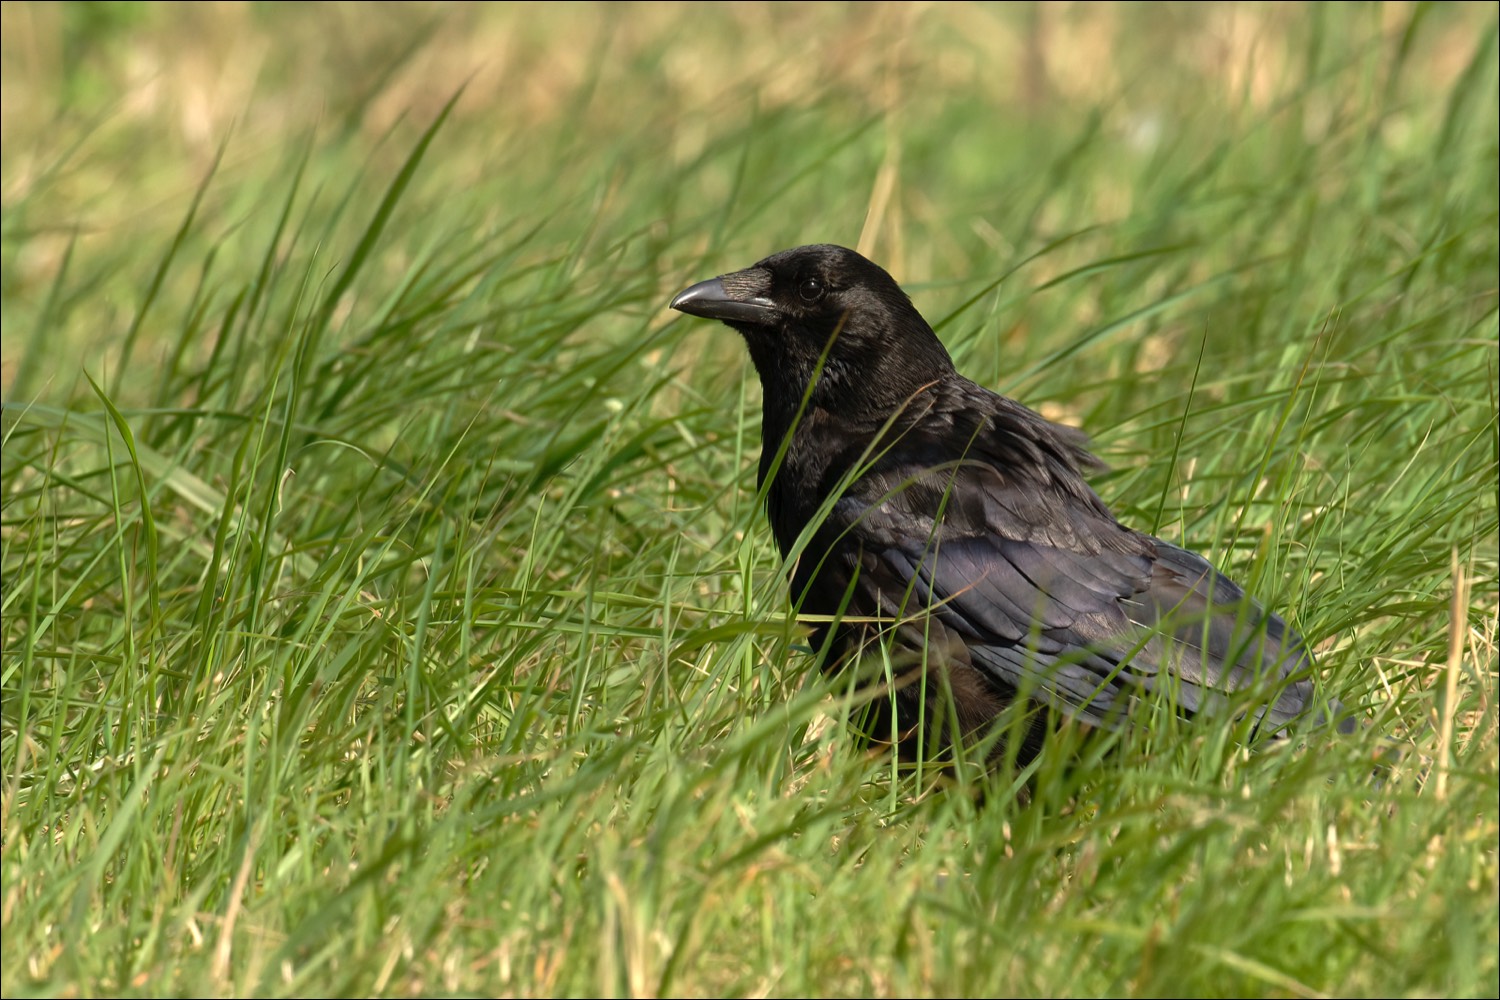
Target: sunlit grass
column 385, row 606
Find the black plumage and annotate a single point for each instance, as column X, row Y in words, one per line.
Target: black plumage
column 959, row 523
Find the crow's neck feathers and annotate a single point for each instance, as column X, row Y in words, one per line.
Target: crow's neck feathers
column 898, row 405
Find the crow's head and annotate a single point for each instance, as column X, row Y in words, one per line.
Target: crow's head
column 824, row 313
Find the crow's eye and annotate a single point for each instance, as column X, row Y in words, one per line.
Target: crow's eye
column 811, row 289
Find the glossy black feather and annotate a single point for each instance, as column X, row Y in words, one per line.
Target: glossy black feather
column 964, row 521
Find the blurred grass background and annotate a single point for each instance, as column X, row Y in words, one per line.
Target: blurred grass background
column 385, row 607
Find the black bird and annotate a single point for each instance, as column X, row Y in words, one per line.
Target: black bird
column 958, row 523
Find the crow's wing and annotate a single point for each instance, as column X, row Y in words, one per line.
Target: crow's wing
column 1056, row 599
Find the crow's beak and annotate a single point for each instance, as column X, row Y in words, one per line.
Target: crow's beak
column 732, row 298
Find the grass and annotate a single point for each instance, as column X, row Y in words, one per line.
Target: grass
column 386, row 610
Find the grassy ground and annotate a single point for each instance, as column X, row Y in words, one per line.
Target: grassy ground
column 385, row 606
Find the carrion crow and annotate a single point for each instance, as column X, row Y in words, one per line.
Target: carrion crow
column 957, row 525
